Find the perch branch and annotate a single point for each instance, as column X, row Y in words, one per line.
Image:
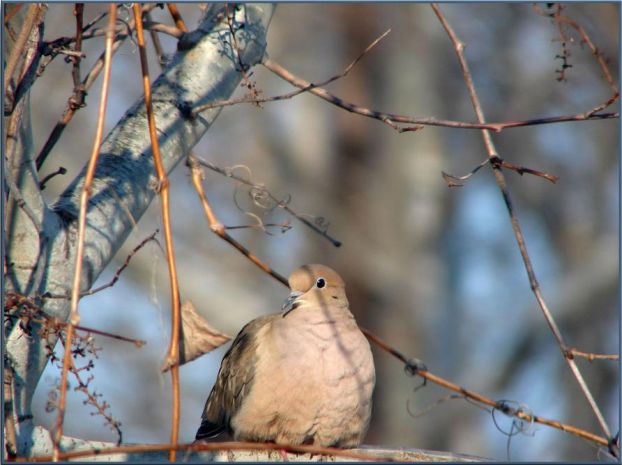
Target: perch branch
column 415, row 367
column 204, row 446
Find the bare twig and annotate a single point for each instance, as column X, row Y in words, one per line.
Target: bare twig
column 173, row 350
column 163, row 28
column 10, row 14
column 93, row 400
column 75, row 72
column 120, row 270
column 74, row 317
column 283, row 226
column 123, row 28
column 18, row 49
column 280, row 203
column 392, row 120
column 591, row 356
column 415, row 367
column 455, row 181
column 250, row 99
column 500, row 179
column 179, row 22
column 243, row 68
column 602, row 60
column 218, row 228
column 44, row 181
column 28, row 310
column 496, row 160
column 73, row 105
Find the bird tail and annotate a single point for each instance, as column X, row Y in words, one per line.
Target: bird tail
column 209, row 430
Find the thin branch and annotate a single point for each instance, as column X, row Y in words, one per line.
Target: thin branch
column 163, row 28
column 44, row 181
column 95, row 20
column 280, row 203
column 92, row 399
column 31, row 312
column 73, row 104
column 498, row 161
column 454, row 181
column 591, row 356
column 247, row 99
column 217, row 227
column 120, row 270
column 602, row 61
column 500, row 179
column 390, row 119
column 93, row 33
column 78, row 11
column 415, row 367
column 8, row 16
column 18, row 49
column 179, row 22
column 157, row 44
column 284, row 226
column 74, row 318
column 173, row 350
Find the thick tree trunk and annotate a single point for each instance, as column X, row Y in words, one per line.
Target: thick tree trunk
column 40, row 240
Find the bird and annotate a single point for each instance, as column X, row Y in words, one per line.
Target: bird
column 304, row 375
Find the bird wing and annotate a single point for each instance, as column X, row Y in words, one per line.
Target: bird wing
column 234, row 381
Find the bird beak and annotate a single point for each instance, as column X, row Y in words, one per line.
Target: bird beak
column 290, row 303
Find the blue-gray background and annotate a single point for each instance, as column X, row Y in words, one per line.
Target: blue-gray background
column 433, row 270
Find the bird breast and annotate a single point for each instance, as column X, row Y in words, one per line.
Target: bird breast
column 317, row 378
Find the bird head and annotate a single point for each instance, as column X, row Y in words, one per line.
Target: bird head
column 316, row 284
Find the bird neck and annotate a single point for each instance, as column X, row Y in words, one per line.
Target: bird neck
column 318, row 312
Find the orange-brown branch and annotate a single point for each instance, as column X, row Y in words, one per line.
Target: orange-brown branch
column 163, row 187
column 74, row 317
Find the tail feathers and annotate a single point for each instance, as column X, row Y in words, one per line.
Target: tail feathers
column 209, row 430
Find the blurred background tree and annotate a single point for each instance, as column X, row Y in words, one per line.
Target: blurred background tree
column 433, row 270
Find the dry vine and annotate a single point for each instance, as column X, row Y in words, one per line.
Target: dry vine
column 74, row 318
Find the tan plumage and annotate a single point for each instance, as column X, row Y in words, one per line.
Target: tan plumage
column 301, row 376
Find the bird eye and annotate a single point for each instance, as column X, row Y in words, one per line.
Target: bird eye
column 320, row 283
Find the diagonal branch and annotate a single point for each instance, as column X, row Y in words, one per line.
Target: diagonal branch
column 500, row 179
column 218, row 228
column 394, row 120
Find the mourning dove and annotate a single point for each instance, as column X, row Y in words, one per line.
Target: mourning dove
column 302, row 376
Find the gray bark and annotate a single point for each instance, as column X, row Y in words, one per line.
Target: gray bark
column 41, row 240
column 44, row 448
